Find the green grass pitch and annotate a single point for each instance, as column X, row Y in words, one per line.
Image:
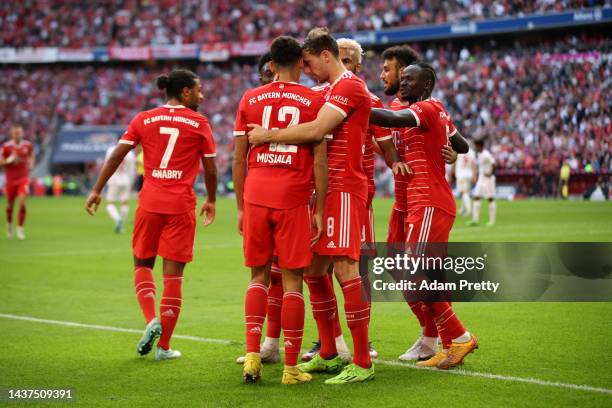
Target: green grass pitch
column 74, row 268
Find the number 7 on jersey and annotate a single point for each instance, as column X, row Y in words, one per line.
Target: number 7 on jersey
column 174, row 133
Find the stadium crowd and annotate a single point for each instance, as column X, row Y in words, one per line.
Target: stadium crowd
column 538, row 105
column 78, row 24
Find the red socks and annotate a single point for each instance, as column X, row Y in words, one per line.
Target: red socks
column 337, row 328
column 426, row 319
column 169, row 308
column 449, row 325
column 275, row 303
column 22, row 215
column 145, row 291
column 324, row 308
column 293, row 325
column 255, row 304
column 357, row 317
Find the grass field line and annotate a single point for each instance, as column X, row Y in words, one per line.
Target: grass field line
column 525, row 380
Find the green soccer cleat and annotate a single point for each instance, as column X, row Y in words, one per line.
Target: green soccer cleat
column 152, row 332
column 352, row 373
column 471, row 223
column 319, row 365
column 490, row 224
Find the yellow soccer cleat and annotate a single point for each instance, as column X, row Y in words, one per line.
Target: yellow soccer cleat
column 293, row 375
column 434, row 361
column 251, row 370
column 457, row 353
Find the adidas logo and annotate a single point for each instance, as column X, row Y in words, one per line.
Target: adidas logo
column 331, row 245
column 288, row 343
column 150, row 295
column 169, row 313
column 256, row 329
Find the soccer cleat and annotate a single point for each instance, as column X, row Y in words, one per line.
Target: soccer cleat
column 251, row 370
column 9, row 230
column 352, row 373
column 151, row 332
column 119, row 227
column 433, row 361
column 319, row 365
column 20, row 233
column 269, row 355
column 311, row 353
column 490, row 224
column 471, row 223
column 419, row 351
column 373, row 353
column 293, row 375
column 457, row 353
column 161, row 354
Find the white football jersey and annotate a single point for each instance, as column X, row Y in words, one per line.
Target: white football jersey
column 126, row 172
column 485, row 163
column 464, row 165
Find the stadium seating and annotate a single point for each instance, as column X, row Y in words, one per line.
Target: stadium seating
column 78, row 24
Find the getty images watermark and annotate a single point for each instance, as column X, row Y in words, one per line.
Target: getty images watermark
column 498, row 272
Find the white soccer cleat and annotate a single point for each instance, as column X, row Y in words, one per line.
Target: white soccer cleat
column 161, row 354
column 20, row 233
column 269, row 355
column 419, row 351
column 9, row 230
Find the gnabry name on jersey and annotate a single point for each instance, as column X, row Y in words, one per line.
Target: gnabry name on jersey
column 167, row 174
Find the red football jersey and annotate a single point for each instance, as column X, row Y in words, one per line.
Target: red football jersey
column 379, row 134
column 428, row 186
column 173, row 139
column 280, row 175
column 401, row 181
column 17, row 171
column 349, row 96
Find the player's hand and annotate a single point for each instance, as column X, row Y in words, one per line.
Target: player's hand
column 93, row 202
column 240, row 218
column 317, row 226
column 401, row 168
column 257, row 135
column 12, row 159
column 209, row 211
column 449, row 155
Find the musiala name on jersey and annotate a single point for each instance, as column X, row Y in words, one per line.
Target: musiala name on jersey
column 435, row 285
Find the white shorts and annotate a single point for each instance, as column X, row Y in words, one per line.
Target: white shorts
column 118, row 192
column 464, row 184
column 485, row 187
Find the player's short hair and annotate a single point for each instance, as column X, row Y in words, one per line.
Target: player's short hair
column 263, row 60
column 479, row 141
column 15, row 125
column 428, row 71
column 318, row 40
column 174, row 83
column 351, row 45
column 403, row 54
column 285, row 51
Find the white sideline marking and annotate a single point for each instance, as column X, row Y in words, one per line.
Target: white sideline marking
column 109, row 328
column 490, row 376
column 510, row 378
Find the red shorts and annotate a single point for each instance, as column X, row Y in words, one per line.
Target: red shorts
column 284, row 233
column 396, row 226
column 428, row 224
column 343, row 221
column 14, row 190
column 167, row 235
